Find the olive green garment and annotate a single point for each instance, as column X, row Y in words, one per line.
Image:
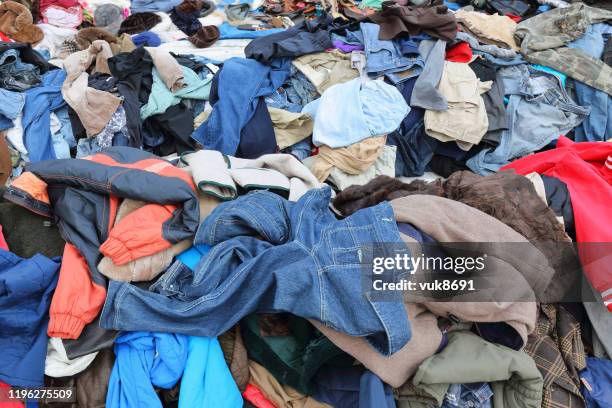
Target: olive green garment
column 514, row 376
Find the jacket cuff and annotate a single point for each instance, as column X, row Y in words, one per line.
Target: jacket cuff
column 116, row 250
column 65, row 326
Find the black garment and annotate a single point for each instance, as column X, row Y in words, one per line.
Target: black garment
column 496, row 114
column 484, row 70
column 170, row 131
column 305, row 38
column 604, row 4
column 257, row 136
column 607, row 54
column 499, row 333
column 558, row 199
column 515, row 7
column 134, row 82
column 192, row 64
column 92, row 339
column 139, row 22
column 445, row 166
column 28, row 233
column 185, row 17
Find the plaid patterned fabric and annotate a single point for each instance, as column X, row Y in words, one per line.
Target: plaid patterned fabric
column 557, row 349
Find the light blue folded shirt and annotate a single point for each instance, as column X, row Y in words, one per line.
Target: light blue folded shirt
column 350, row 112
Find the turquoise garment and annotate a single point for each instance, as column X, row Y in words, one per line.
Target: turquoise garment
column 145, row 360
column 375, row 4
column 161, row 98
column 562, row 77
column 192, row 256
column 207, row 381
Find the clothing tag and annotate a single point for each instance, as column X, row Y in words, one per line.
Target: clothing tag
column 586, row 384
column 214, row 69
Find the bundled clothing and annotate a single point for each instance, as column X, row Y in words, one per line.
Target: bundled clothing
column 98, row 183
column 230, row 285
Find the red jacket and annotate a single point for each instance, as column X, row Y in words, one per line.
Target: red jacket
column 586, row 168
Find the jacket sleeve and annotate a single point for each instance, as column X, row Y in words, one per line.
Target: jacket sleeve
column 141, row 233
column 77, row 299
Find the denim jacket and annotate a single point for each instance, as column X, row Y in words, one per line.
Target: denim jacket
column 271, row 255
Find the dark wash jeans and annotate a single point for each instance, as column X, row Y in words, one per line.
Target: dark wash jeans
column 271, row 255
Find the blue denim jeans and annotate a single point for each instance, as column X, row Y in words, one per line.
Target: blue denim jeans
column 539, row 112
column 271, row 255
column 472, row 395
column 11, row 106
column 239, row 86
column 16, row 75
column 280, row 100
column 385, row 58
column 598, row 126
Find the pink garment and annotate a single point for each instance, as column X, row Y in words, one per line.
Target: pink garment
column 70, row 17
column 3, row 243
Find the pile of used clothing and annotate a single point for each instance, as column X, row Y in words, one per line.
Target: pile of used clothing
column 190, row 189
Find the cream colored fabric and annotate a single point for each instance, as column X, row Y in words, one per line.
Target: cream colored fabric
column 354, row 159
column 383, row 166
column 169, row 69
column 57, row 363
column 290, row 127
column 325, row 69
column 466, row 120
column 489, row 28
column 220, row 176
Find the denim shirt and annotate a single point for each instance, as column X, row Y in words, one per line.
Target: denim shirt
column 473, row 395
column 271, row 255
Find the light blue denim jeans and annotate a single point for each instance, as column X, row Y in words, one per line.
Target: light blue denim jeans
column 385, row 58
column 539, row 112
column 598, row 126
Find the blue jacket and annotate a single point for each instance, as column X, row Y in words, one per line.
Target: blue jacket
column 271, row 254
column 26, row 286
column 598, row 376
